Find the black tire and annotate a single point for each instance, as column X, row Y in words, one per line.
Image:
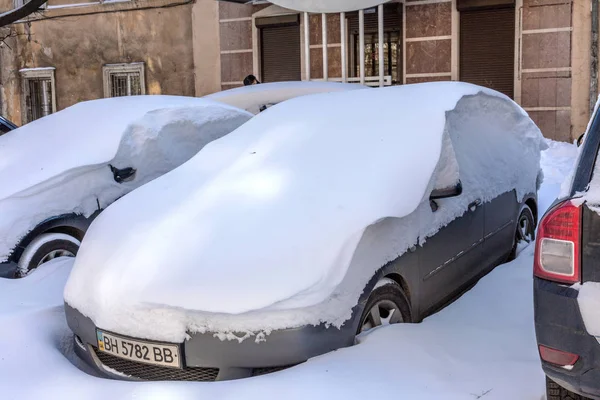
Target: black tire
column 388, row 292
column 45, row 247
column 556, row 392
column 525, row 215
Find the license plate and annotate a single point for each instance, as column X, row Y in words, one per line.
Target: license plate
column 142, row 351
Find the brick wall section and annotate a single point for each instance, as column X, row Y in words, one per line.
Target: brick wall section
column 235, row 22
column 428, row 41
column 334, row 55
column 546, row 75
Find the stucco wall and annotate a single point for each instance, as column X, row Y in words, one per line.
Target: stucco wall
column 79, row 45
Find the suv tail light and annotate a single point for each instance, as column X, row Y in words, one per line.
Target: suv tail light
column 558, row 243
column 557, row 357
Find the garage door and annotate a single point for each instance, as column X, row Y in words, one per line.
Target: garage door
column 487, row 48
column 280, row 53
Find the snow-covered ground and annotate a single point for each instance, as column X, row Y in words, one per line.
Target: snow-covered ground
column 481, row 346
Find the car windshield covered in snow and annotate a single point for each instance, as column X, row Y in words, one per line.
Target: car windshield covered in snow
column 285, row 215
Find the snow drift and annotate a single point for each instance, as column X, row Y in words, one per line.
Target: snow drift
column 59, row 164
column 251, row 98
column 282, row 222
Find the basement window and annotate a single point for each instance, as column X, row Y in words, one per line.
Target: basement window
column 124, row 79
column 38, row 94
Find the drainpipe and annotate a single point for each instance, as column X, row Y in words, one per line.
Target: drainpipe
column 594, row 58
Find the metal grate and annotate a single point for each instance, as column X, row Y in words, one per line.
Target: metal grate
column 391, row 51
column 38, row 98
column 156, row 373
column 125, row 84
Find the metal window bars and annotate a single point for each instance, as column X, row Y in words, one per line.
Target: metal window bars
column 38, row 98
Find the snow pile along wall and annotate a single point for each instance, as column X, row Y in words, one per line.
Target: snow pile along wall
column 290, row 215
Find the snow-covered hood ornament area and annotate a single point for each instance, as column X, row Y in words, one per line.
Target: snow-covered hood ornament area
column 265, row 227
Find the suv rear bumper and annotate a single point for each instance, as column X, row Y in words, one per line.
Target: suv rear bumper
column 559, row 325
column 207, row 355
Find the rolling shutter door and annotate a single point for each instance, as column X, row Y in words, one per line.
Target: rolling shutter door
column 280, row 53
column 487, row 48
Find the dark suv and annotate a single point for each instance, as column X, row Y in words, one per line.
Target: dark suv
column 568, row 253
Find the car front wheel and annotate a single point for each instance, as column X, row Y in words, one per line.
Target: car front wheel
column 44, row 248
column 556, row 392
column 386, row 305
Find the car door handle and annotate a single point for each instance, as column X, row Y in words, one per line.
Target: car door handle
column 474, row 205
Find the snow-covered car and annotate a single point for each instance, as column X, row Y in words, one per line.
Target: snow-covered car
column 257, row 98
column 566, row 289
column 314, row 222
column 103, row 149
column 57, row 173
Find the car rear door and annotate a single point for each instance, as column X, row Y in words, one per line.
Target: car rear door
column 448, row 259
column 499, row 228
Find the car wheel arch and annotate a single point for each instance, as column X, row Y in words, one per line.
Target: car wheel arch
column 532, row 204
column 74, row 225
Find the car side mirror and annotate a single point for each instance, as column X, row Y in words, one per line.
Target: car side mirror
column 580, row 139
column 451, row 191
column 123, row 174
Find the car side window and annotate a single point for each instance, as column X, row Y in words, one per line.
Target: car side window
column 446, row 174
column 4, row 128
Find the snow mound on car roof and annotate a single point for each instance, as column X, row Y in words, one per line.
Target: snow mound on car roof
column 152, row 134
column 269, row 217
column 87, row 133
column 252, row 97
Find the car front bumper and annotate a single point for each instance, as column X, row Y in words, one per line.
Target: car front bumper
column 207, row 358
column 8, row 269
column 559, row 325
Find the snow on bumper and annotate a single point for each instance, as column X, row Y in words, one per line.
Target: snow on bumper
column 232, row 358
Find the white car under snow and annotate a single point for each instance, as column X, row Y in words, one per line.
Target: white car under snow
column 59, row 172
column 315, row 221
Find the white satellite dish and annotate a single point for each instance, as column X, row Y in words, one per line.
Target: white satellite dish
column 327, row 6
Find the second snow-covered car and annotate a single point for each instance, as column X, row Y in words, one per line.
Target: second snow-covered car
column 59, row 172
column 314, row 222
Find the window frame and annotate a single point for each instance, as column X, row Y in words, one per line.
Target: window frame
column 21, row 3
column 36, row 73
column 125, row 68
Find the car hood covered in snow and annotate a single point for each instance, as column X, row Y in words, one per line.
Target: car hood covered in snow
column 88, row 133
column 270, row 215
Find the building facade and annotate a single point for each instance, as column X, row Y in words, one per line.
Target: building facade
column 538, row 52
